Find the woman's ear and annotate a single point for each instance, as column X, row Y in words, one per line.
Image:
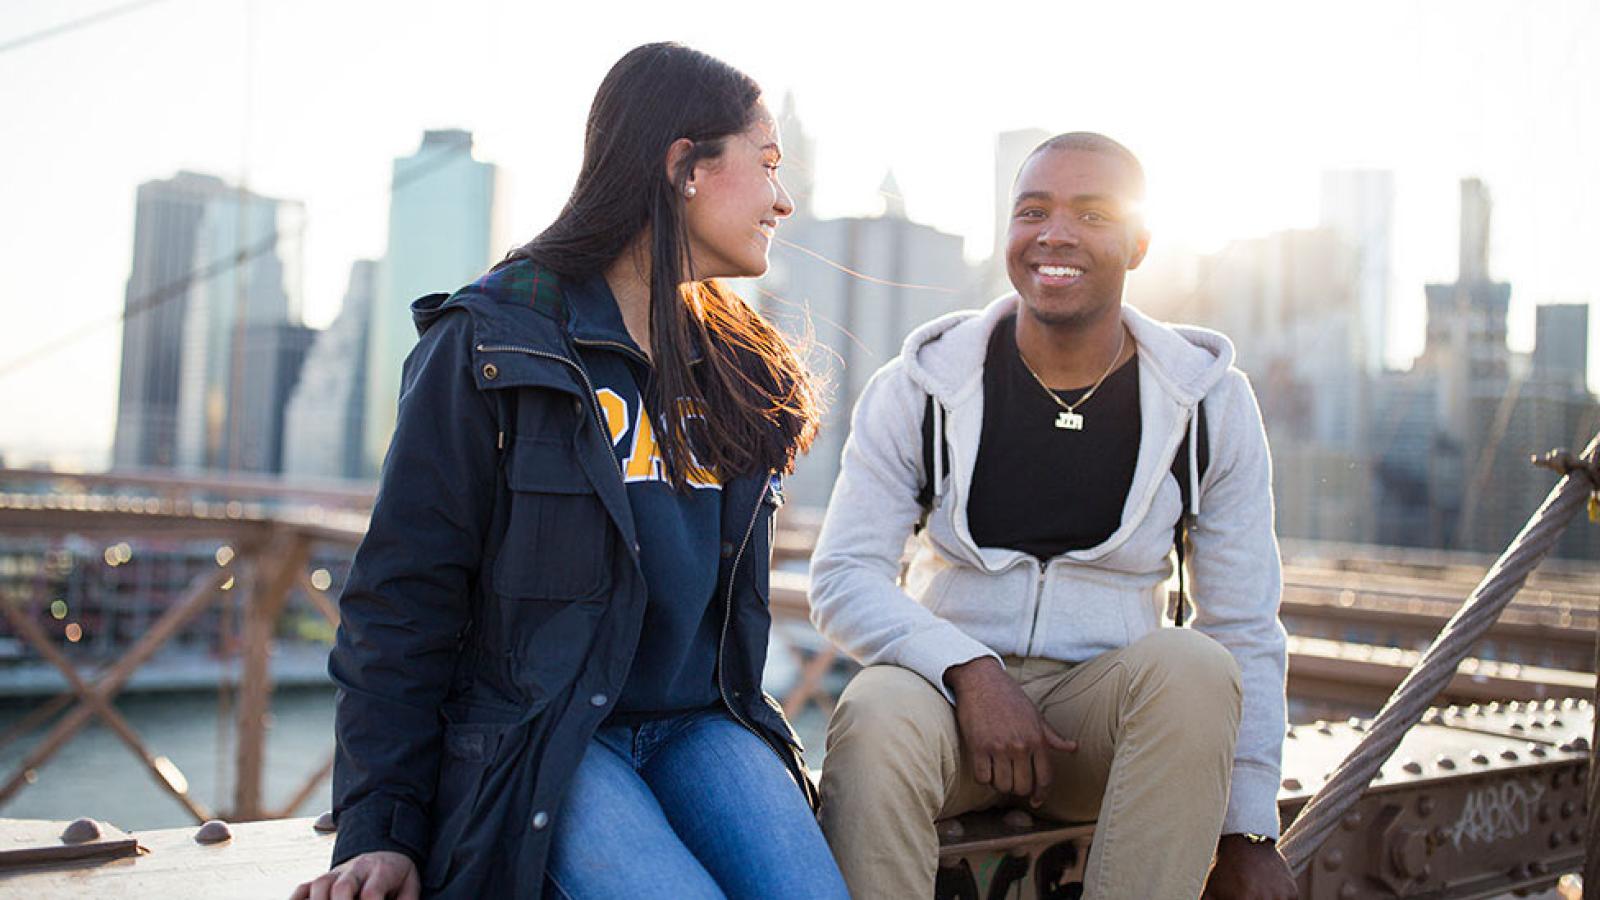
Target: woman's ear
column 677, row 159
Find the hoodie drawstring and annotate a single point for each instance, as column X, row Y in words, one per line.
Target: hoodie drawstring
column 1194, row 467
column 938, row 446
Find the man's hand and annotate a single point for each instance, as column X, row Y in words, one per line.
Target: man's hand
column 1246, row 871
column 1005, row 738
column 371, row 876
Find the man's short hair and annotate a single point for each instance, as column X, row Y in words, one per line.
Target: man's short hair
column 1092, row 142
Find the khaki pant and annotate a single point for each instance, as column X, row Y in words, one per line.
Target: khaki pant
column 1155, row 724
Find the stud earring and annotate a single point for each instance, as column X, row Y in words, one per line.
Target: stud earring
column 689, row 190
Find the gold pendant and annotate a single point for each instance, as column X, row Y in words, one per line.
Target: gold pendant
column 1070, row 421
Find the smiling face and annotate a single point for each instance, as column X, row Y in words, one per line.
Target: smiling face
column 1075, row 233
column 737, row 203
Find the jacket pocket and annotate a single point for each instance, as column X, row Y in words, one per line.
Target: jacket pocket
column 468, row 750
column 558, row 532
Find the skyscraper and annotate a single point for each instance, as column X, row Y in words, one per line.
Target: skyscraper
column 322, row 428
column 1011, row 149
column 1358, row 205
column 1289, row 300
column 444, row 231
column 1466, row 336
column 167, row 221
column 1561, row 344
column 859, row 285
column 799, row 158
column 241, row 347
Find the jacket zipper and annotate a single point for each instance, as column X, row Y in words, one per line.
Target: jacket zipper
column 727, row 616
column 594, row 402
column 616, row 344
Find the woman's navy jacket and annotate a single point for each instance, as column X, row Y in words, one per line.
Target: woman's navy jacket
column 494, row 606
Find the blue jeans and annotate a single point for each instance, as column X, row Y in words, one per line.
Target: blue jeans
column 687, row 807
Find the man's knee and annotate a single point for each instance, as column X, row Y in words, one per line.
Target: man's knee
column 1183, row 656
column 888, row 709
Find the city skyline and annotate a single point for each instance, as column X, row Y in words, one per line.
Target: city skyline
column 1424, row 103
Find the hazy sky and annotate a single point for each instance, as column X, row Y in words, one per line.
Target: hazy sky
column 1236, row 109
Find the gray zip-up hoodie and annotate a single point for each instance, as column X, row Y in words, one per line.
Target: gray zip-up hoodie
column 960, row 601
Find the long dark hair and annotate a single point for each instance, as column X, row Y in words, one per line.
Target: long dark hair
column 758, row 404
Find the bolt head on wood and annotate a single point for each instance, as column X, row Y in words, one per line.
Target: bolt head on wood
column 213, row 832
column 81, row 831
column 1017, row 820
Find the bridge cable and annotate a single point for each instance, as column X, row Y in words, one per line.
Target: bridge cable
column 84, row 22
column 1424, row 683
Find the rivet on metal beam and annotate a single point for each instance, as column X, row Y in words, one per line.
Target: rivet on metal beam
column 1333, row 859
column 1580, row 743
column 1479, row 758
column 1352, row 820
column 1348, row 891
column 1567, row 809
column 1425, row 805
column 1412, row 766
column 1539, row 751
column 1555, row 839
column 325, row 824
column 1289, row 784
column 1508, row 755
column 1445, row 762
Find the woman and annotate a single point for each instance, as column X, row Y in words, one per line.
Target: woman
column 552, row 641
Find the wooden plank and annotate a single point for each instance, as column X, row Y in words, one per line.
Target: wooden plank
column 263, row 860
column 34, row 842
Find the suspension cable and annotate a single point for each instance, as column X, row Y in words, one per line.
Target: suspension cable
column 1439, row 663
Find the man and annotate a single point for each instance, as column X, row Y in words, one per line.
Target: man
column 1023, row 660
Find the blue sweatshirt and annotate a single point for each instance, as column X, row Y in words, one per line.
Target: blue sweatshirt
column 674, row 668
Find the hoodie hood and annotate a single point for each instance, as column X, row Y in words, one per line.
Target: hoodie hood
column 945, row 357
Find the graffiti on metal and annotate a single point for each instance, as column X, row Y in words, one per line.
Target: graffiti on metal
column 1495, row 813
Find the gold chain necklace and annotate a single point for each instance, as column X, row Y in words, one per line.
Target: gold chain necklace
column 1069, row 418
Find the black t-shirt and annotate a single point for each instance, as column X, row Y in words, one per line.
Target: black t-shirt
column 1045, row 490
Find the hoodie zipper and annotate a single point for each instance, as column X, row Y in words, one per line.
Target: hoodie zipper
column 594, row 402
column 1038, row 603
